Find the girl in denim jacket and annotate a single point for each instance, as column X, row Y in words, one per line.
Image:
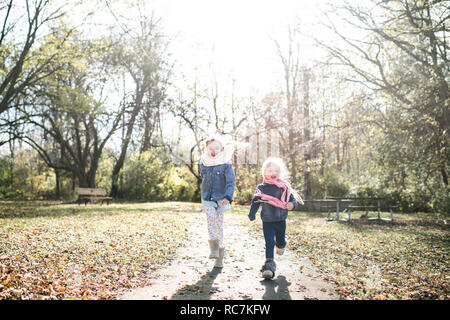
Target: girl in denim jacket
column 218, row 184
column 276, row 197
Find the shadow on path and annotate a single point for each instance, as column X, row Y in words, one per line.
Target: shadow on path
column 201, row 290
column 276, row 289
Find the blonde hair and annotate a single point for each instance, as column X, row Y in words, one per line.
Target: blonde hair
column 284, row 173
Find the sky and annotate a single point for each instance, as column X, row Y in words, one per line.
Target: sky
column 232, row 41
column 234, row 38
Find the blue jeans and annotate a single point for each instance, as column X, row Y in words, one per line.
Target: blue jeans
column 274, row 234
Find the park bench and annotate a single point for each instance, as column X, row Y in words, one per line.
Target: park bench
column 92, row 195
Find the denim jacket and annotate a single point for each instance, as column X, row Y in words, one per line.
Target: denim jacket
column 218, row 182
column 269, row 213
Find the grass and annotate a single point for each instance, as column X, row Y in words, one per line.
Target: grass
column 50, row 250
column 373, row 259
column 54, row 251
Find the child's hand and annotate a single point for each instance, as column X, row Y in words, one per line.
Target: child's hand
column 290, row 206
column 225, row 202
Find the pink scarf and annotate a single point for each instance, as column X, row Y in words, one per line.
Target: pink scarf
column 280, row 203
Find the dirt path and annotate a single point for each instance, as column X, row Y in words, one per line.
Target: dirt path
column 192, row 276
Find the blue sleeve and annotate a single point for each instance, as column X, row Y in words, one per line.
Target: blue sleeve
column 201, row 170
column 293, row 200
column 254, row 208
column 230, row 184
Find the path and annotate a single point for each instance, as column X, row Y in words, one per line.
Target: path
column 192, row 276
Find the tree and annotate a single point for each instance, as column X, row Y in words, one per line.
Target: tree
column 190, row 113
column 65, row 119
column 142, row 54
column 291, row 67
column 21, row 66
column 307, row 153
column 403, row 56
column 297, row 78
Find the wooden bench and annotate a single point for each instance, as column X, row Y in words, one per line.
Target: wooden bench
column 92, row 194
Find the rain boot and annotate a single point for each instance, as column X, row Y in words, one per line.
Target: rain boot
column 214, row 246
column 219, row 260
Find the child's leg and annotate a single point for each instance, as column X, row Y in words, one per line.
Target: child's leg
column 219, row 226
column 210, row 210
column 269, row 236
column 211, row 221
column 280, row 233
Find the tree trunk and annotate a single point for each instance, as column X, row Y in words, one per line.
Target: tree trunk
column 444, row 175
column 83, row 181
column 73, row 181
column 149, row 127
column 307, row 137
column 125, row 142
column 338, row 150
column 58, row 183
column 323, row 151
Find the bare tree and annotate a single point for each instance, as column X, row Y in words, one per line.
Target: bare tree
column 291, row 65
column 403, row 54
column 307, row 151
column 191, row 114
column 297, row 98
column 142, row 54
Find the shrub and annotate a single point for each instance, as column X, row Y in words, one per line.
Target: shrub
column 330, row 184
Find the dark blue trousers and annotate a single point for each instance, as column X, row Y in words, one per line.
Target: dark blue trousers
column 274, row 234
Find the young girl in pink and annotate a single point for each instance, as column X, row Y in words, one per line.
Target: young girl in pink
column 276, row 197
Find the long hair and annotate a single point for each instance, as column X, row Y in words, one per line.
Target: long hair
column 284, row 173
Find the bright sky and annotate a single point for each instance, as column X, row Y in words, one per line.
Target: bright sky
column 235, row 36
column 232, row 40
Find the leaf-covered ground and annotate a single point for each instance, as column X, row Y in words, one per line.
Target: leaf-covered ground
column 373, row 259
column 56, row 251
column 51, row 251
